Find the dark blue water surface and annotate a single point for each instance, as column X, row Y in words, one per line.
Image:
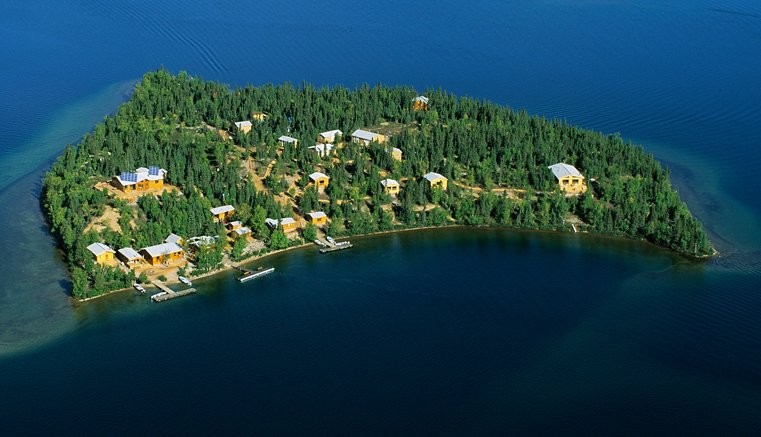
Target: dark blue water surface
column 450, row 331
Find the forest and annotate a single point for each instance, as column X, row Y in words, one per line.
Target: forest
column 495, row 158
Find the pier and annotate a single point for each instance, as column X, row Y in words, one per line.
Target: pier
column 167, row 293
column 332, row 246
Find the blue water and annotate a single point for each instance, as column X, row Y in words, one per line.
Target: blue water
column 437, row 332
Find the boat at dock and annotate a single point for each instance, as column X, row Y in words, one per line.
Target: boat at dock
column 253, row 274
column 185, row 280
column 337, row 246
column 139, row 287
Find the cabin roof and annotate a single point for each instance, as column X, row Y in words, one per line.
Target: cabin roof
column 432, row 176
column 396, row 149
column 390, row 183
column 283, row 221
column 99, row 248
column 244, row 123
column 422, row 99
column 287, row 139
column 331, row 133
column 173, row 238
column 322, row 148
column 242, row 231
column 364, row 135
column 318, row 175
column 129, row 253
column 162, row 249
column 235, row 223
column 317, row 214
column 561, row 170
column 152, row 173
column 222, row 209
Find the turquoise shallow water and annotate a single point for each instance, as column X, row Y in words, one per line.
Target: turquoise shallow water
column 447, row 331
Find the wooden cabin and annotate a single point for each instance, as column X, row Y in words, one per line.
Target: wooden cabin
column 240, row 232
column 320, row 180
column 237, row 224
column 420, row 103
column 243, row 127
column 259, row 116
column 322, row 149
column 366, row 137
column 285, row 139
column 142, row 179
column 287, row 224
column 328, row 136
column 223, row 212
column 390, row 186
column 396, row 154
column 318, row 218
column 436, row 180
column 102, row 254
column 163, row 253
column 129, row 257
column 570, row 180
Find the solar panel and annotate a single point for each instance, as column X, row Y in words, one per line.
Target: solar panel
column 153, row 170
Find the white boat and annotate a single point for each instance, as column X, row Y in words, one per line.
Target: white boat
column 185, row 280
column 331, row 240
column 138, row 287
column 251, row 274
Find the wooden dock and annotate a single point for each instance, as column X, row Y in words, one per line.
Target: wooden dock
column 339, row 246
column 167, row 293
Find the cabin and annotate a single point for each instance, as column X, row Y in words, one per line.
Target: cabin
column 420, row 103
column 174, row 238
column 390, row 186
column 129, row 257
column 142, row 179
column 320, row 180
column 287, row 224
column 237, row 224
column 102, row 254
column 570, row 180
column 366, row 137
column 243, row 127
column 259, row 116
column 318, row 218
column 436, row 180
column 322, row 149
column 396, row 154
column 202, row 241
column 240, row 232
column 163, row 253
column 221, row 213
column 285, row 139
column 328, row 136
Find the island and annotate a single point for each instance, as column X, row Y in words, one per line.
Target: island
column 191, row 176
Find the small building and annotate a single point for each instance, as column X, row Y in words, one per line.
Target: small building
column 102, row 254
column 239, row 232
column 163, row 253
column 202, row 241
column 243, row 127
column 328, row 136
column 287, row 224
column 318, row 218
column 259, row 116
column 237, row 224
column 222, row 212
column 142, row 179
column 436, row 180
column 320, row 180
column 396, row 154
column 322, row 149
column 174, row 238
column 390, row 186
column 570, row 180
column 420, row 103
column 285, row 139
column 129, row 257
column 366, row 137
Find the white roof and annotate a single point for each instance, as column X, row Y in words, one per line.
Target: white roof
column 321, row 148
column 287, row 139
column 389, row 183
column 432, row 176
column 283, row 221
column 173, row 238
column 242, row 231
column 561, row 170
column 222, row 209
column 331, row 133
column 317, row 214
column 129, row 253
column 99, row 248
column 423, row 99
column 162, row 249
column 396, row 149
column 318, row 175
column 245, row 123
column 364, row 135
column 235, row 223
column 140, row 174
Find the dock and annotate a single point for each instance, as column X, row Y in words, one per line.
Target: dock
column 337, row 246
column 167, row 293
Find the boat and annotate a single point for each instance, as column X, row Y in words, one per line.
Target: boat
column 185, row 280
column 319, row 243
column 252, row 274
column 331, row 240
column 138, row 287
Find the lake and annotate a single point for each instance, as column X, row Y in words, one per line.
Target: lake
column 455, row 331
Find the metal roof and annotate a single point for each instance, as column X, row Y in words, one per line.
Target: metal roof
column 283, row 221
column 330, row 133
column 317, row 214
column 423, row 99
column 318, row 175
column 244, row 123
column 432, row 176
column 364, row 135
column 162, row 249
column 389, row 183
column 242, row 231
column 173, row 238
column 129, row 253
column 99, row 248
column 561, row 170
column 287, row 139
column 222, row 209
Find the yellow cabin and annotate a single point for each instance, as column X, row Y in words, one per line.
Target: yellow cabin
column 285, row 139
column 390, row 187
column 129, row 257
column 570, row 180
column 223, row 212
column 258, row 116
column 328, row 136
column 244, row 126
column 320, row 180
column 420, row 103
column 102, row 254
column 366, row 137
column 318, row 218
column 396, row 154
column 163, row 253
column 287, row 224
column 436, row 180
column 142, row 179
